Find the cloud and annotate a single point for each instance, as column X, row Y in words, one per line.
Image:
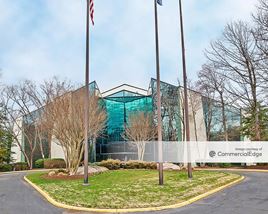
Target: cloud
column 44, row 38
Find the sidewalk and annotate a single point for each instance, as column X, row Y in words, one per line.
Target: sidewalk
column 25, row 171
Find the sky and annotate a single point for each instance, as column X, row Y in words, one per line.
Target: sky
column 40, row 39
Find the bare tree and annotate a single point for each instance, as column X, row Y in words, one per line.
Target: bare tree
column 140, row 129
column 235, row 56
column 260, row 33
column 55, row 87
column 34, row 95
column 261, row 26
column 40, row 96
column 208, row 99
column 216, row 81
column 66, row 115
column 49, row 90
column 21, row 119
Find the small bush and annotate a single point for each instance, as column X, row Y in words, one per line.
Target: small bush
column 117, row 164
column 262, row 164
column 54, row 163
column 39, row 163
column 133, row 165
column 140, row 165
column 5, row 167
column 211, row 164
column 151, row 165
column 20, row 166
column 111, row 164
column 225, row 165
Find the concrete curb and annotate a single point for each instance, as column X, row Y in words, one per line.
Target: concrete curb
column 178, row 205
column 232, row 170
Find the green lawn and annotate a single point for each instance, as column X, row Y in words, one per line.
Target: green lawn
column 132, row 188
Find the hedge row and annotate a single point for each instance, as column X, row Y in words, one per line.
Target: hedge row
column 41, row 163
column 20, row 166
column 221, row 165
column 50, row 163
column 54, row 163
column 6, row 167
column 117, row 164
column 13, row 167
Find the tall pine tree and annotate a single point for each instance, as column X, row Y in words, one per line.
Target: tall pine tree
column 251, row 118
column 5, row 139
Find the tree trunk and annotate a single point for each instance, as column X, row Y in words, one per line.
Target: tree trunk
column 142, row 151
column 27, row 158
column 31, row 161
column 41, row 149
column 257, row 124
column 195, row 128
column 94, row 150
column 224, row 121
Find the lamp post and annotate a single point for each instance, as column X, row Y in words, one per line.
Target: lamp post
column 186, row 109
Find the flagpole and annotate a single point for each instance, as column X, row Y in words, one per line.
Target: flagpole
column 159, row 119
column 86, row 119
column 186, row 109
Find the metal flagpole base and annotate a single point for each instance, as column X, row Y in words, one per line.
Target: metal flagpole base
column 161, row 174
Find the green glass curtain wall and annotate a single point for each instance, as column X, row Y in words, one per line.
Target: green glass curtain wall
column 170, row 110
column 214, row 121
column 118, row 110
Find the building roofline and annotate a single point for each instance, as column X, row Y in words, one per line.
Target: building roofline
column 152, row 78
column 200, row 93
column 124, row 85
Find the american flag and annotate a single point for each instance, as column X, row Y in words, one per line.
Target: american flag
column 91, row 8
column 159, row 2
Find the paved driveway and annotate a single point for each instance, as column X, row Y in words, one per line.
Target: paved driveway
column 17, row 197
column 249, row 197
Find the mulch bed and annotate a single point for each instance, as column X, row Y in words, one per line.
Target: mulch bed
column 66, row 177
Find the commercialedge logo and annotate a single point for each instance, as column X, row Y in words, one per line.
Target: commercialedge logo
column 212, row 154
column 239, row 154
